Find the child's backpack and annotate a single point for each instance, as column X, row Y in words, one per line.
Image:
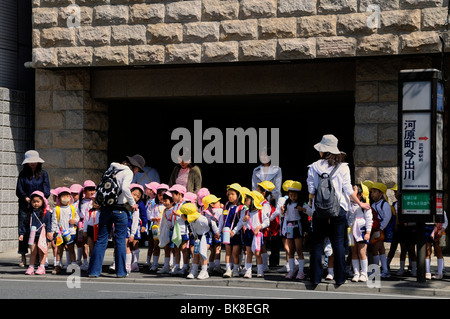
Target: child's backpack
column 326, row 203
column 108, row 189
column 389, row 230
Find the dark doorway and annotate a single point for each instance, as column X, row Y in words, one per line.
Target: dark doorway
column 145, row 127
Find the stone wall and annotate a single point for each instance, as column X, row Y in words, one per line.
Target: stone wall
column 16, row 137
column 71, row 128
column 152, row 32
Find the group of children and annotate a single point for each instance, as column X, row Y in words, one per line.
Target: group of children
column 187, row 226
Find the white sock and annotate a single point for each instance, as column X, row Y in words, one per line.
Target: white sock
column 427, row 265
column 364, row 265
column 265, row 258
column 135, row 256
column 248, row 266
column 228, row 266
column 259, row 268
column 128, row 259
column 194, row 269
column 204, row 268
column 383, row 262
column 440, row 263
column 331, row 271
column 291, row 263
column 356, row 268
column 155, row 260
column 301, row 264
column 166, row 262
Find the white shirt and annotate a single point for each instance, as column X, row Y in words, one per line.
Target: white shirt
column 124, row 178
column 200, row 226
column 341, row 180
column 383, row 214
column 64, row 216
column 91, row 219
column 254, row 221
column 271, row 173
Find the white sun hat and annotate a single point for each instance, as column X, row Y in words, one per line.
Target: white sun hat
column 328, row 144
column 32, row 156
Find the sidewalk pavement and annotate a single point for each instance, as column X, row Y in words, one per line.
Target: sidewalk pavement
column 405, row 285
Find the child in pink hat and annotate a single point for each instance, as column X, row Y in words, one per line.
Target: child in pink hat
column 202, row 193
column 86, row 195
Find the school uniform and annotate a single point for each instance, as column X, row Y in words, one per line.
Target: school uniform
column 90, row 222
column 360, row 222
column 256, row 219
column 230, row 220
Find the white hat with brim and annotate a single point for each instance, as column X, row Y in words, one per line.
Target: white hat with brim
column 32, row 157
column 328, row 144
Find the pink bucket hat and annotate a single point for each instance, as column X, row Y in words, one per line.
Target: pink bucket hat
column 190, row 197
column 64, row 190
column 168, row 194
column 41, row 194
column 89, row 183
column 75, row 188
column 153, row 186
column 162, row 186
column 202, row 192
column 178, row 188
column 134, row 185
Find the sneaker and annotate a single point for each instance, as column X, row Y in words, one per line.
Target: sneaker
column 329, row 277
column 203, row 275
column 30, row 271
column 40, row 270
column 290, row 275
column 428, row 276
column 355, row 277
column 385, row 274
column 283, row 269
column 228, row 274
column 300, row 276
column 248, row 273
column 154, row 268
column 57, row 270
column 192, row 275
column 260, row 275
column 437, row 276
column 362, row 277
column 164, row 270
column 235, row 273
column 134, row 267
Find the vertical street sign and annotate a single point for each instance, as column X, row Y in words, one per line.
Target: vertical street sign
column 420, row 153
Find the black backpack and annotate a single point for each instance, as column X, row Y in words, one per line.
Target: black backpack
column 108, row 190
column 326, row 203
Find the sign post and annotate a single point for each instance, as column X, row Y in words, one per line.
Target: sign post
column 420, row 153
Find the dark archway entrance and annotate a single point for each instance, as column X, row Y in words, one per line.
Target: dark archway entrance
column 145, row 127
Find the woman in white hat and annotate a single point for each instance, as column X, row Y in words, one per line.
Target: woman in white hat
column 31, row 178
column 331, row 159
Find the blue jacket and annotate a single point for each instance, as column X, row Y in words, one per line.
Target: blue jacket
column 36, row 220
column 26, row 186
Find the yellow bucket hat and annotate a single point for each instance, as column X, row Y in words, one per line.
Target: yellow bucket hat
column 286, row 184
column 267, row 185
column 368, row 183
column 395, row 187
column 257, row 199
column 380, row 186
column 190, row 210
column 209, row 199
column 237, row 188
column 365, row 190
column 295, row 186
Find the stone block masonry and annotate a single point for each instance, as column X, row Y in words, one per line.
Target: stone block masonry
column 16, row 136
column 122, row 32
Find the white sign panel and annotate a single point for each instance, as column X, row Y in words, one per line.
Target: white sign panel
column 416, row 150
column 417, row 96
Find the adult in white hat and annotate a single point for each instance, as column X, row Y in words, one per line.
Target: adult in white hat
column 31, row 178
column 330, row 163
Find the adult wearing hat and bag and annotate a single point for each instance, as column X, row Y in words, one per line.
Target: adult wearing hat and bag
column 116, row 214
column 31, row 178
column 330, row 164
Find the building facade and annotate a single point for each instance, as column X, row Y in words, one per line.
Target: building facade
column 115, row 77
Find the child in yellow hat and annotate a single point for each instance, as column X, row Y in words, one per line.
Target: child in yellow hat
column 254, row 223
column 382, row 214
column 266, row 188
column 213, row 211
column 231, row 216
column 202, row 231
column 295, row 228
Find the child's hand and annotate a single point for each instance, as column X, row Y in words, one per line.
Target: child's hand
column 367, row 236
column 50, row 236
column 72, row 221
column 21, row 238
column 231, row 234
column 217, row 236
column 246, row 218
column 257, row 229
